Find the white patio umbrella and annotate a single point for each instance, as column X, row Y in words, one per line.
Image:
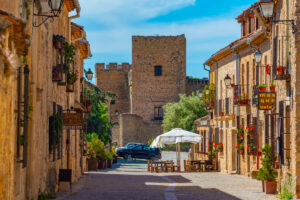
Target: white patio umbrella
column 175, row 136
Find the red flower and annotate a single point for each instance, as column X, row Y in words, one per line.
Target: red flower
column 237, row 146
column 248, row 147
column 216, row 145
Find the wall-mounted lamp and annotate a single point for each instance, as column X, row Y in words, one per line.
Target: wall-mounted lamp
column 89, row 74
column 55, row 9
column 258, row 57
column 227, row 80
column 267, row 10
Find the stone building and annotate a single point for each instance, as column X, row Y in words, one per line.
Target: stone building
column 156, row 77
column 31, row 152
column 278, row 45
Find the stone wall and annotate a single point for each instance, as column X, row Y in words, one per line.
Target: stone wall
column 114, row 79
column 134, row 129
column 149, row 90
column 193, row 85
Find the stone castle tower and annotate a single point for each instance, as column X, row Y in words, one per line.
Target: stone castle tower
column 156, row 77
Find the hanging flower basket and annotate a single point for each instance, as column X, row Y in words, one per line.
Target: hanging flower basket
column 281, row 70
column 241, row 151
column 59, row 41
column 57, row 73
column 272, row 86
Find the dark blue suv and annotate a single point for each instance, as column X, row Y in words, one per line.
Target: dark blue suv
column 138, row 150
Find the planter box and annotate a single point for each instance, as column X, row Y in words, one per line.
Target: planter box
column 109, row 163
column 102, row 164
column 70, row 88
column 92, row 164
column 270, row 187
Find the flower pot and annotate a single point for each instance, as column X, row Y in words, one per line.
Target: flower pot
column 251, row 152
column 241, row 151
column 262, row 89
column 57, row 44
column 276, row 165
column 272, row 88
column 211, row 104
column 281, row 70
column 109, row 163
column 251, row 135
column 270, row 187
column 70, row 88
column 56, row 76
column 268, row 69
column 92, row 164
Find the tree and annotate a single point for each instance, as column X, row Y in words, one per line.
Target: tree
column 98, row 121
column 183, row 113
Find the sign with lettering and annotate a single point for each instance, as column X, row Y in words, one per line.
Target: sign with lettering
column 72, row 120
column 266, row 100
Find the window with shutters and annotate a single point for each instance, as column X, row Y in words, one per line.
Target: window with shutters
column 216, row 135
column 158, row 113
column 220, row 107
column 287, row 136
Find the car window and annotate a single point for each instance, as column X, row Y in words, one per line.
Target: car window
column 147, row 148
column 138, row 148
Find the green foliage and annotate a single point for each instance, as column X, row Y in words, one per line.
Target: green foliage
column 44, row 196
column 150, row 141
column 108, row 155
column 205, row 96
column 98, row 120
column 69, row 52
column 184, row 113
column 96, row 149
column 29, row 111
column 91, row 136
column 267, row 173
column 72, row 77
column 212, row 153
column 113, row 151
column 286, row 189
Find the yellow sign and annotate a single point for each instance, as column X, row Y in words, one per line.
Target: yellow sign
column 72, row 120
column 266, row 100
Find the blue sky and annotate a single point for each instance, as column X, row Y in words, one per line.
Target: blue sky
column 207, row 25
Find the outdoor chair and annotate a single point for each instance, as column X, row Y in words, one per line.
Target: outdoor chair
column 208, row 165
column 169, row 165
column 176, row 167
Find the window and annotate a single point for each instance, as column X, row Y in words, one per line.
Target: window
column 157, row 70
column 158, row 113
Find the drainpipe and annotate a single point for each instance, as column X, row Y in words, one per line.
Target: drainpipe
column 237, row 71
column 77, row 7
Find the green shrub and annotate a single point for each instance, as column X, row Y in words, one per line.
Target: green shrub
column 267, row 173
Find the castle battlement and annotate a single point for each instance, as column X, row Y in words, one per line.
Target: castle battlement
column 194, row 81
column 112, row 67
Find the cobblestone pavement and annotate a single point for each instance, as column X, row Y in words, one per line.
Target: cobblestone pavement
column 131, row 181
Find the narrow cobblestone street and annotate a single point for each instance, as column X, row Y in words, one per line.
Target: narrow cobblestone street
column 130, row 180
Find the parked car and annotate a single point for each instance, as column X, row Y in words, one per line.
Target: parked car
column 138, row 150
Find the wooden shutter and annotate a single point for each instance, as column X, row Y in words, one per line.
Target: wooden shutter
column 59, row 145
column 236, row 94
column 248, row 124
column 272, row 137
column 254, row 119
column 267, row 129
column 217, row 136
column 274, row 57
column 227, row 106
column 204, row 140
column 281, row 136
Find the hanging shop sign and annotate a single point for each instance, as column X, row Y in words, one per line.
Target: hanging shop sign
column 72, row 120
column 266, row 100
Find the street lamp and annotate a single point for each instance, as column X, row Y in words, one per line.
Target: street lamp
column 55, row 5
column 266, row 8
column 89, row 74
column 258, row 57
column 227, row 81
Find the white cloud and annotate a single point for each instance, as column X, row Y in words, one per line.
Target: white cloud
column 129, row 11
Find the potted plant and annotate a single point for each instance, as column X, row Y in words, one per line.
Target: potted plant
column 113, row 150
column 240, row 148
column 212, row 153
column 281, row 70
column 272, row 86
column 267, row 174
column 212, row 94
column 262, row 87
column 240, row 131
column 58, row 41
column 71, row 79
column 57, row 73
column 94, row 148
column 109, row 158
column 268, row 69
column 205, row 94
column 250, row 148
